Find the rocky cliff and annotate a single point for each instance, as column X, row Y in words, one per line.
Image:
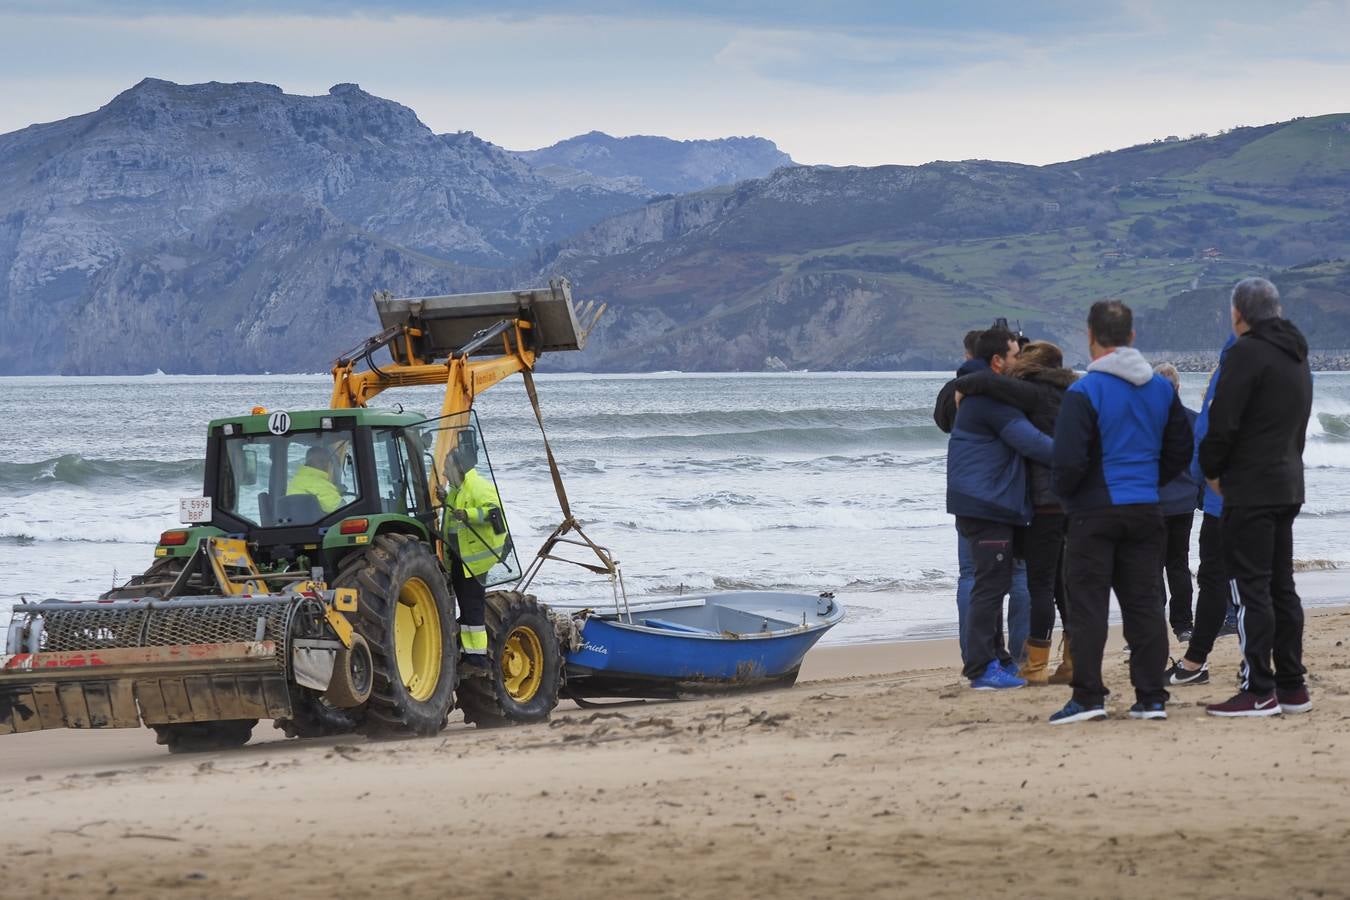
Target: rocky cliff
column 179, row 204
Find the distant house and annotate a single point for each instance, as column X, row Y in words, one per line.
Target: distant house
column 1049, row 206
column 1211, row 253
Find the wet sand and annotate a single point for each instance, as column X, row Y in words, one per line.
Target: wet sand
column 879, row 774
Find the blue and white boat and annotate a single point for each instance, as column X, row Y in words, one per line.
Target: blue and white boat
column 744, row 640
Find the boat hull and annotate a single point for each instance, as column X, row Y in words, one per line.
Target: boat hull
column 630, row 659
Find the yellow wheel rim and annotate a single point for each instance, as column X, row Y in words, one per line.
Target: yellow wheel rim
column 417, row 639
column 522, row 664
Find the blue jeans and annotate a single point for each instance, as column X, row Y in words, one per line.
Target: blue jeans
column 1019, row 601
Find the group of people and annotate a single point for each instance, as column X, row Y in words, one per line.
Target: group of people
column 1078, row 487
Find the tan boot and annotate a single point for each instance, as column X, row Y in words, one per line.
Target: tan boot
column 1064, row 674
column 1038, row 659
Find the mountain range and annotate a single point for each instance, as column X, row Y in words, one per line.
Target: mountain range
column 233, row 227
column 236, row 228
column 658, row 164
column 886, row 267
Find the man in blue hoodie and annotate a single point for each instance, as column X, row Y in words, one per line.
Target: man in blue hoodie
column 1178, row 498
column 987, row 491
column 1121, row 434
column 1212, row 600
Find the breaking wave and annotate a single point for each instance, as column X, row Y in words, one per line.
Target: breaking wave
column 75, row 469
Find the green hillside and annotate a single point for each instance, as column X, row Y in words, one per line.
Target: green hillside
column 1316, row 296
column 886, row 267
column 1306, row 149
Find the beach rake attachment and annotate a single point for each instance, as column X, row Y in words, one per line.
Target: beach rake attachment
column 124, row 663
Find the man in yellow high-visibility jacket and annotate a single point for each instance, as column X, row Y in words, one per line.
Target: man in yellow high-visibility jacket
column 313, row 478
column 474, row 519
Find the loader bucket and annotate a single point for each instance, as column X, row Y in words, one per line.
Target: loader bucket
column 121, row 663
column 451, row 322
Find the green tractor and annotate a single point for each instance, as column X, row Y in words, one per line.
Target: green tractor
column 314, row 581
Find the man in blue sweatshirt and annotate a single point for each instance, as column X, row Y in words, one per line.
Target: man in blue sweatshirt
column 1178, row 498
column 987, row 491
column 1121, row 434
column 1212, row 600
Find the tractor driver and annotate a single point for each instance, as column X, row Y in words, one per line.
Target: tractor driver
column 473, row 513
column 314, row 478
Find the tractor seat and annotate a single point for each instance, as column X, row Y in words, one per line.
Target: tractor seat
column 297, row 509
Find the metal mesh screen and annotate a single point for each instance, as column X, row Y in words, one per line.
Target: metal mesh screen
column 92, row 629
column 105, row 627
column 217, row 624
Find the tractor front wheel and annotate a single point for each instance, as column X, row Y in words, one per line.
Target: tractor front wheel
column 406, row 617
column 524, row 672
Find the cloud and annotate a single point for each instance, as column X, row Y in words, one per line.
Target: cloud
column 841, row 83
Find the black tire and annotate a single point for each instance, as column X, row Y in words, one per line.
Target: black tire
column 203, row 737
column 160, row 570
column 379, row 573
column 485, row 698
column 312, row 717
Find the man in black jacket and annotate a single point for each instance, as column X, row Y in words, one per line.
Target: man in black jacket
column 1253, row 456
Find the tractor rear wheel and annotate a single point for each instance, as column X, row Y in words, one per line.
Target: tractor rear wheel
column 202, row 737
column 160, row 571
column 406, row 616
column 524, row 672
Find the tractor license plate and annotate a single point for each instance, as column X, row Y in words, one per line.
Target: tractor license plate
column 194, row 510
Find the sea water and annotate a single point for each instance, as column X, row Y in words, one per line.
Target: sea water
column 802, row 482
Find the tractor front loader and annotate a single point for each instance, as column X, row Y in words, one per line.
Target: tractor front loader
column 312, row 582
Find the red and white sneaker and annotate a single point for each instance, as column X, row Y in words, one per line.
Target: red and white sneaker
column 1293, row 700
column 1246, row 703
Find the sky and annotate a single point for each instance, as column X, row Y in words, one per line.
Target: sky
column 850, row 82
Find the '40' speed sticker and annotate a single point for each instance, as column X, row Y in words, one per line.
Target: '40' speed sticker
column 279, row 423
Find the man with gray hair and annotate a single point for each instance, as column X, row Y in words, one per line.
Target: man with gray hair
column 1253, row 456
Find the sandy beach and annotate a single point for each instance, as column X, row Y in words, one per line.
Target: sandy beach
column 879, row 774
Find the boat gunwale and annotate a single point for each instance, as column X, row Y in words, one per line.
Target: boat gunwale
column 833, row 618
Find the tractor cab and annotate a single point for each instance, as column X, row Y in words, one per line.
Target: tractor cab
column 306, row 488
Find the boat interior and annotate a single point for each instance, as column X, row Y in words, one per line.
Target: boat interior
column 750, row 614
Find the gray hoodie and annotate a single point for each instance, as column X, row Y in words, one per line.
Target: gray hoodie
column 1127, row 363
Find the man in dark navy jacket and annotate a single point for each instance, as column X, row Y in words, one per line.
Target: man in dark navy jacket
column 1121, row 434
column 944, row 415
column 987, row 491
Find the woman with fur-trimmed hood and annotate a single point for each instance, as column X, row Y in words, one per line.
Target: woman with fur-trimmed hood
column 1035, row 384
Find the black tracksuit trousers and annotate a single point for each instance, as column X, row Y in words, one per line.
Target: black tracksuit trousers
column 1214, row 595
column 991, row 546
column 1117, row 548
column 1258, row 546
column 1042, row 546
column 1177, row 568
